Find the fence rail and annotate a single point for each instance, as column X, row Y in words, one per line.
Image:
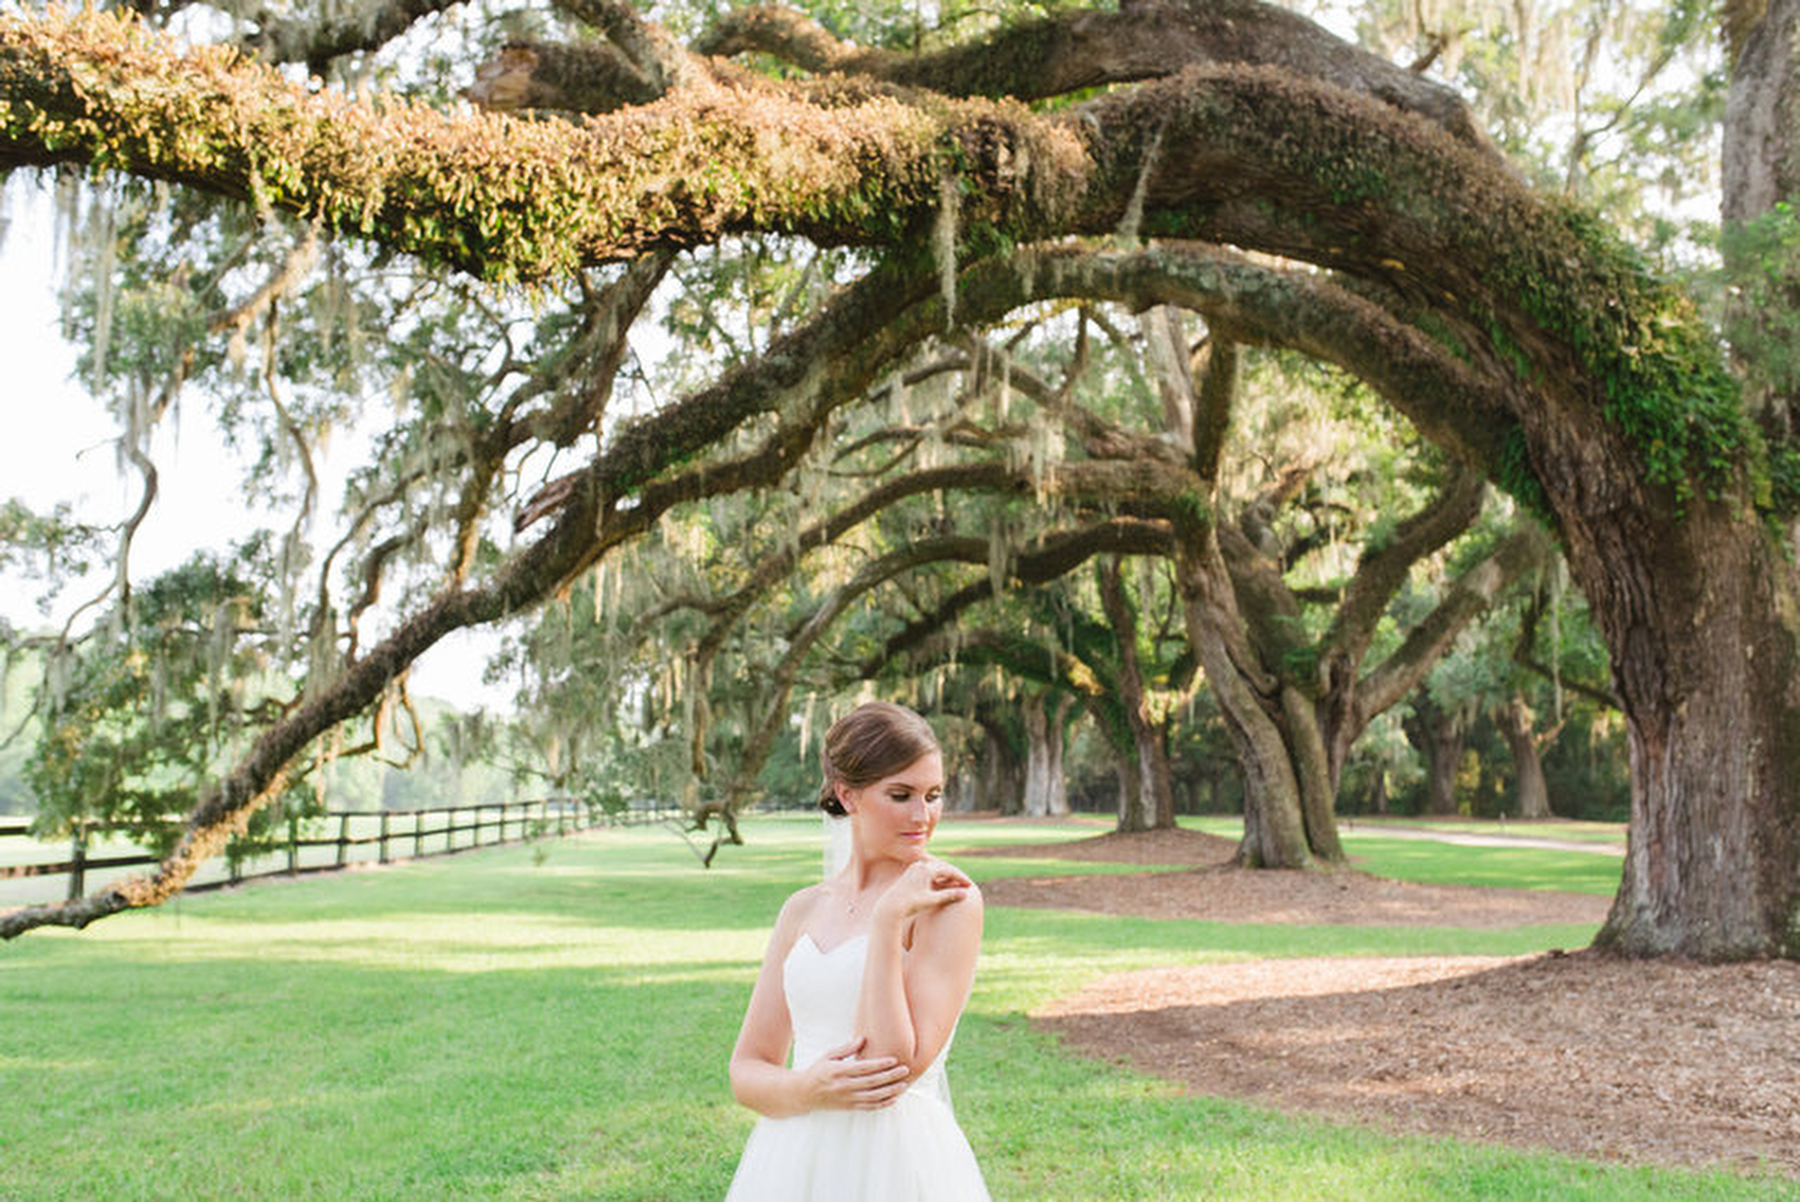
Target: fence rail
column 382, row 836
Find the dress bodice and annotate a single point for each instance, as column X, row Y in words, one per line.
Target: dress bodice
column 821, row 988
column 910, row 1150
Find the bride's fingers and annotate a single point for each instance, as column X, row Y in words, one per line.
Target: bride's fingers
column 874, row 1099
column 846, row 1050
column 859, row 1074
column 868, row 1073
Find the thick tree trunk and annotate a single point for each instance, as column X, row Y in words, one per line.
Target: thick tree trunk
column 1304, row 739
column 1438, row 734
column 1531, row 797
column 1146, row 800
column 1708, row 671
column 1760, row 169
column 1701, row 611
column 961, row 794
column 1158, row 795
column 1043, row 756
column 1056, row 797
column 1002, row 781
column 1133, row 812
column 1378, row 793
column 1150, row 804
column 1274, row 825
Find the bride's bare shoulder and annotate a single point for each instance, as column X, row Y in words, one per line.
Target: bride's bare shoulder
column 795, row 911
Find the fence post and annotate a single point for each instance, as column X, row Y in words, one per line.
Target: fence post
column 343, row 837
column 384, row 836
column 78, row 865
column 293, row 847
column 418, row 834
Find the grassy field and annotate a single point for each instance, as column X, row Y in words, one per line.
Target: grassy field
column 493, row 1026
column 1435, row 863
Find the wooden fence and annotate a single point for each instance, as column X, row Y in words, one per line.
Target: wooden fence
column 382, row 836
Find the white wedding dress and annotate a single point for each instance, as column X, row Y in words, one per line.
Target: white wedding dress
column 909, row 1151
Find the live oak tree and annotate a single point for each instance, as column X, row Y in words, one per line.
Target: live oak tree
column 1293, row 190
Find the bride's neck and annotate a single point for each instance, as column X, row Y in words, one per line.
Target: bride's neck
column 861, row 873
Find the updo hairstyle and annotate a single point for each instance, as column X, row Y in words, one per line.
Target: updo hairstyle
column 873, row 740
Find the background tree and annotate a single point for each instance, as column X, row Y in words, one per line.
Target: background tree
column 1511, row 327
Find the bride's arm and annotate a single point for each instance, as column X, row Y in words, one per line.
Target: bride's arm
column 760, row 1079
column 911, row 999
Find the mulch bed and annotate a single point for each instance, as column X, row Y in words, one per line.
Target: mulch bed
column 1218, row 892
column 1652, row 1062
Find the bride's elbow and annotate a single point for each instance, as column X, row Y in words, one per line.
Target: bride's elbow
column 739, row 1073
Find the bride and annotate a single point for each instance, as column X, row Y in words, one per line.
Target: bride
column 864, row 978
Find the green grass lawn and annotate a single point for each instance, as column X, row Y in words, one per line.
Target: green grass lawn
column 1433, row 863
column 490, row 1026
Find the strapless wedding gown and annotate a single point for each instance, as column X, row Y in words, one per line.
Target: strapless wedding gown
column 909, row 1151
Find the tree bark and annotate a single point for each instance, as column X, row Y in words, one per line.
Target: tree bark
column 1037, row 756
column 1438, row 734
column 1151, row 804
column 1056, row 802
column 1378, row 792
column 1707, row 669
column 1002, row 786
column 1761, row 169
column 1531, row 796
column 1274, row 825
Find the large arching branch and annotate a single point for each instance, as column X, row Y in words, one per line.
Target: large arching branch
column 1385, row 565
column 1047, row 558
column 1078, row 49
column 588, row 521
column 1466, row 598
column 315, row 43
column 1531, row 291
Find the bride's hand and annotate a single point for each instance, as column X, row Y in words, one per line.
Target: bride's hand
column 842, row 1080
column 925, row 885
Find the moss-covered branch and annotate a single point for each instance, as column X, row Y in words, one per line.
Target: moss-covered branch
column 1077, row 49
column 1050, row 557
column 508, row 199
column 1532, row 292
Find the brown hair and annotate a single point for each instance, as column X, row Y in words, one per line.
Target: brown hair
column 873, row 740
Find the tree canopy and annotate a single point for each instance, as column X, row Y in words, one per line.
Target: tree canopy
column 894, row 209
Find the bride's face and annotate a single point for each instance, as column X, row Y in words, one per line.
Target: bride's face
column 894, row 816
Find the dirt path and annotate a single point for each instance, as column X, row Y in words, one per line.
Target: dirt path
column 1597, row 847
column 1648, row 1062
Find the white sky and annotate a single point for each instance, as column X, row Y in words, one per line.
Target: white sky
column 59, row 446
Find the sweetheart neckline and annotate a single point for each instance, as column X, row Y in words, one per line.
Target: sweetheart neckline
column 836, row 947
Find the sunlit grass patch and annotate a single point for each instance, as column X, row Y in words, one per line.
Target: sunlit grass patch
column 486, row 1026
